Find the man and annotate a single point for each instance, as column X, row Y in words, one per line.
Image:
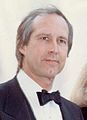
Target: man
column 44, row 39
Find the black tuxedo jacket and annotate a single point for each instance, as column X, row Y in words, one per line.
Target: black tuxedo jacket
column 84, row 111
column 14, row 105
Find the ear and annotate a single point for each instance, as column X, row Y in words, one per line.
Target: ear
column 22, row 49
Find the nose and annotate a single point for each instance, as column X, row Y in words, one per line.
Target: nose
column 54, row 48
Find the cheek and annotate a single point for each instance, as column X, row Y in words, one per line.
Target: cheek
column 40, row 50
column 63, row 51
column 64, row 55
column 36, row 53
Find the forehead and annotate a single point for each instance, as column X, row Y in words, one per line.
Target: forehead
column 50, row 20
column 50, row 23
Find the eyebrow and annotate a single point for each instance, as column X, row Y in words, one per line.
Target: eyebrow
column 43, row 34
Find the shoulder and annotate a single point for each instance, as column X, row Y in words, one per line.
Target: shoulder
column 66, row 101
column 4, row 90
column 70, row 105
column 4, row 86
column 72, row 109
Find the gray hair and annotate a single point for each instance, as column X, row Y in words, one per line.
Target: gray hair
column 25, row 29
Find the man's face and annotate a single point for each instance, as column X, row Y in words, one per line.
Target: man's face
column 46, row 52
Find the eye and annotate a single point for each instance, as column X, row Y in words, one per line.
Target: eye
column 44, row 38
column 62, row 41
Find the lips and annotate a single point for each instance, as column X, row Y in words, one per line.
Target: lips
column 52, row 61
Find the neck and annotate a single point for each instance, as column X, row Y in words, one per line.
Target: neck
column 44, row 82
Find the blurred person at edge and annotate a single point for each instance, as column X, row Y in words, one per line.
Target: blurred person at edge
column 44, row 40
column 79, row 93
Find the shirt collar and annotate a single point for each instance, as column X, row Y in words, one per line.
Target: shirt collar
column 28, row 82
column 29, row 88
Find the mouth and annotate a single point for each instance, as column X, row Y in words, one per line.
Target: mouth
column 51, row 61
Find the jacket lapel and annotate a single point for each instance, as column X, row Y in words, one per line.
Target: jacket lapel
column 67, row 110
column 65, row 113
column 16, row 103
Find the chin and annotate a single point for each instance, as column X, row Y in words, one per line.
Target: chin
column 52, row 75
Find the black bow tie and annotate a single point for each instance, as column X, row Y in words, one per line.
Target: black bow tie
column 45, row 97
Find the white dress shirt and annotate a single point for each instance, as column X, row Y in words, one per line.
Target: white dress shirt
column 49, row 111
